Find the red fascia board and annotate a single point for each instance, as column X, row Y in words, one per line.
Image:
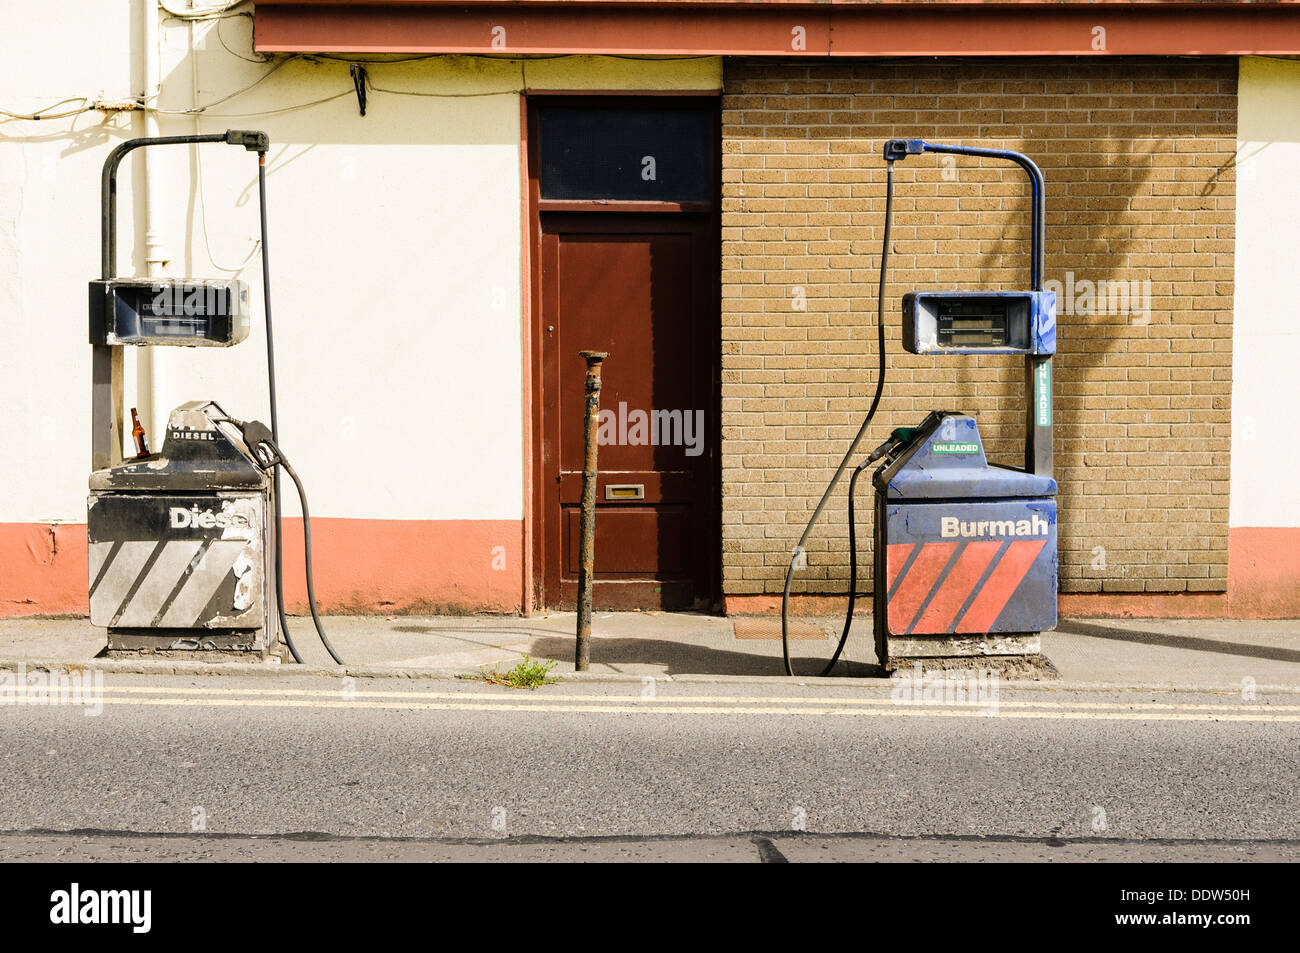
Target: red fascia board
column 763, row 29
column 790, row 4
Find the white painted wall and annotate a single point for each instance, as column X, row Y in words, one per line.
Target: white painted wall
column 1266, row 325
column 396, row 254
column 49, row 247
column 396, row 276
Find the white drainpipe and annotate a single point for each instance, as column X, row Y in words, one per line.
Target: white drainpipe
column 154, row 256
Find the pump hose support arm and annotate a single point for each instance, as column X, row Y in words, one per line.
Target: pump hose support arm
column 251, row 140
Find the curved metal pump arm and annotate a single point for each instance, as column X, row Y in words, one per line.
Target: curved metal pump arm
column 251, row 140
column 902, row 148
column 106, row 360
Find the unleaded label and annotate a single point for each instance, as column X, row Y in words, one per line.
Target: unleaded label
column 954, row 448
column 1043, row 394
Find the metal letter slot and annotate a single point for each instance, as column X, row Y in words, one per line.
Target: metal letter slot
column 625, row 491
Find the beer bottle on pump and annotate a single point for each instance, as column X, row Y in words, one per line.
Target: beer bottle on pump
column 137, row 431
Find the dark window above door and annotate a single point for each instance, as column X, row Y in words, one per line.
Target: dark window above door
column 654, row 154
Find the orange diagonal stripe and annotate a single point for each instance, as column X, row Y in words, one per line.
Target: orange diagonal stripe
column 939, row 614
column 896, row 556
column 916, row 585
column 997, row 590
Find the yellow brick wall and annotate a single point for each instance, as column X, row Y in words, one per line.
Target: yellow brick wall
column 1138, row 157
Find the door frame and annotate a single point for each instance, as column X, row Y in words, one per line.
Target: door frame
column 534, row 542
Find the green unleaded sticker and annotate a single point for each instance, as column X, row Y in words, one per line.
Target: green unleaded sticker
column 1043, row 394
column 954, row 448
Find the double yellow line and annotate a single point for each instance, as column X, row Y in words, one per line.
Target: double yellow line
column 868, row 706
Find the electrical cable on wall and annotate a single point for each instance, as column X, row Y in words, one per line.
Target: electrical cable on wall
column 203, row 13
column 46, row 113
column 226, row 11
column 369, row 85
column 198, row 177
column 255, row 58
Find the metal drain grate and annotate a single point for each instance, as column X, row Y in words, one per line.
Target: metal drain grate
column 770, row 628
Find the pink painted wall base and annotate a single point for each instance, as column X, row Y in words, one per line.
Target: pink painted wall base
column 461, row 566
column 362, row 566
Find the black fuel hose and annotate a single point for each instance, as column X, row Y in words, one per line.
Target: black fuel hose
column 275, row 416
column 258, row 437
column 265, row 445
column 281, row 461
column 306, row 535
column 258, row 440
column 839, row 472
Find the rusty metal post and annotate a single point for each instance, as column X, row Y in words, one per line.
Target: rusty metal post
column 587, row 559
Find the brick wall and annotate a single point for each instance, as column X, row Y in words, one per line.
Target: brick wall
column 1138, row 157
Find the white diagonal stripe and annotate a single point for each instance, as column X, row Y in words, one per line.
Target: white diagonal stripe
column 117, row 582
column 157, row 586
column 203, row 582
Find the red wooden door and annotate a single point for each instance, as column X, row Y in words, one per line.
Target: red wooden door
column 640, row 287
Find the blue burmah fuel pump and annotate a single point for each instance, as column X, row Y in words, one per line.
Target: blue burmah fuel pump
column 964, row 561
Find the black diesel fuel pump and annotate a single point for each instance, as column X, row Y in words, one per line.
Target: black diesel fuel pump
column 185, row 542
column 964, row 551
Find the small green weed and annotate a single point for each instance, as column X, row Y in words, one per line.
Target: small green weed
column 527, row 674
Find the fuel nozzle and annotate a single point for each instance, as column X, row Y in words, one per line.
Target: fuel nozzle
column 137, row 431
column 898, row 438
column 258, row 438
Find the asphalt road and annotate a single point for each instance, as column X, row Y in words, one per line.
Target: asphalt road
column 270, row 769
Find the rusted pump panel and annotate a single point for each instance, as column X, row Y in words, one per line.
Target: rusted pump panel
column 177, row 561
column 181, row 543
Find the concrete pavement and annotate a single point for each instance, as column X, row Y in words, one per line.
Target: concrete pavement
column 1220, row 655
